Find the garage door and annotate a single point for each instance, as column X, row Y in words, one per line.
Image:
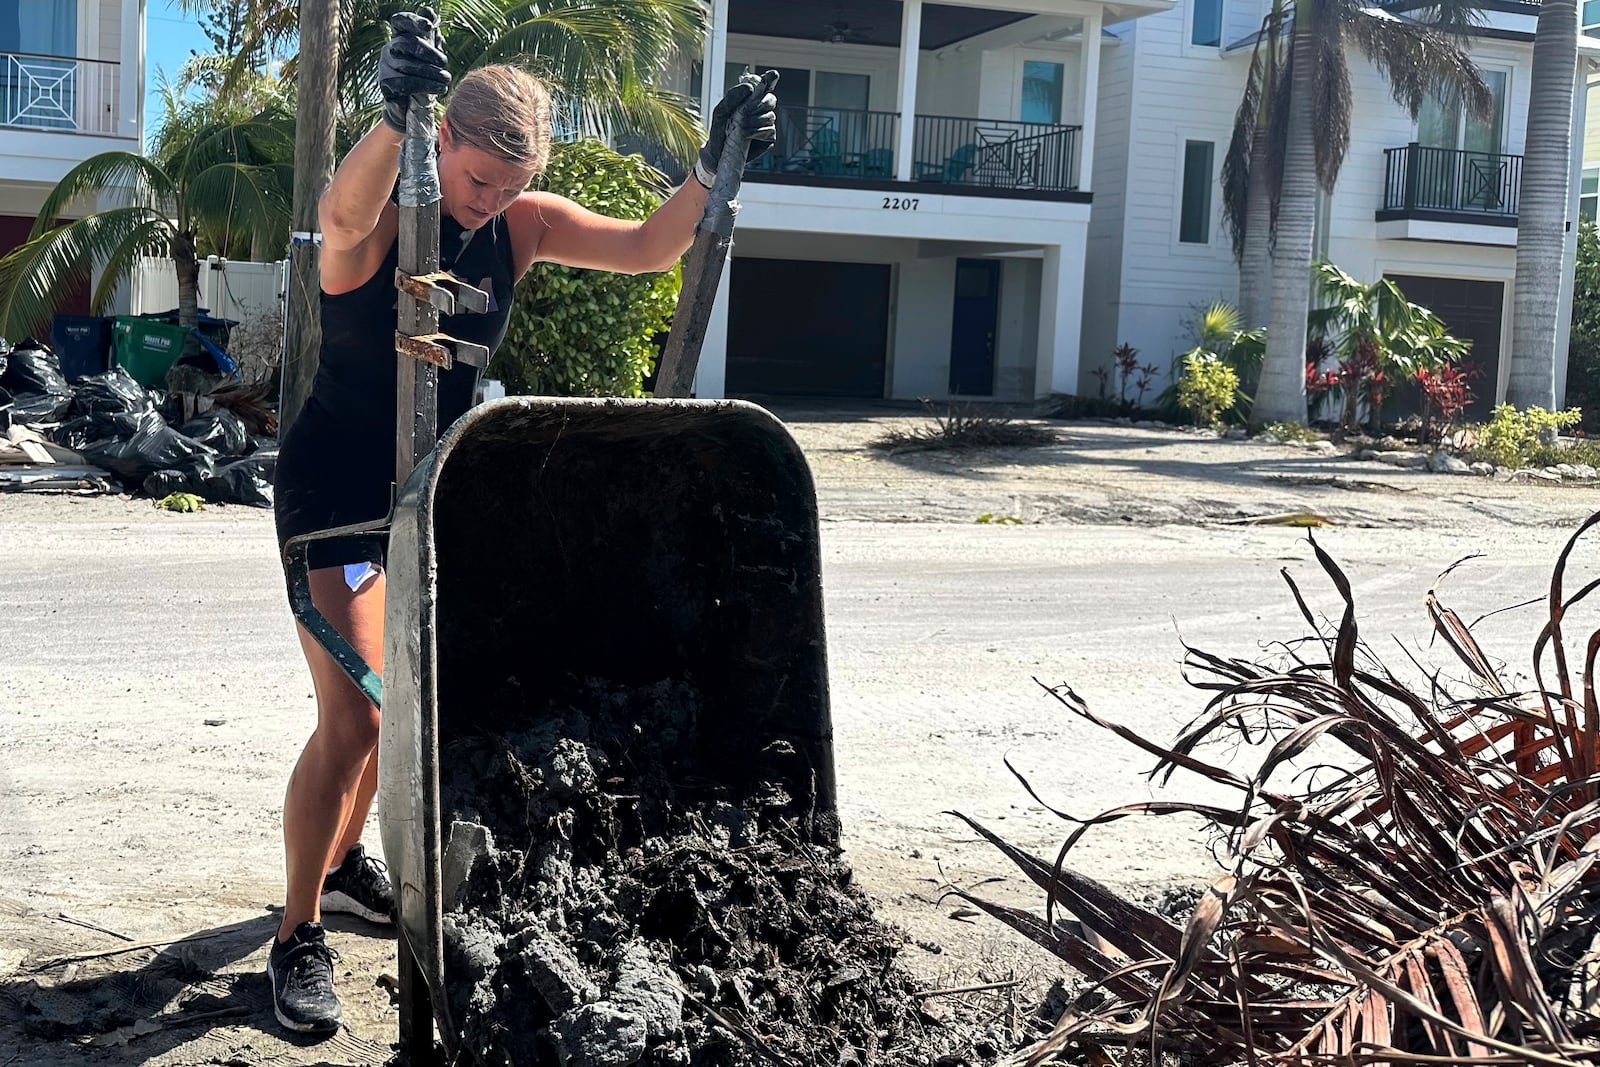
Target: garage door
column 807, row 328
column 1471, row 310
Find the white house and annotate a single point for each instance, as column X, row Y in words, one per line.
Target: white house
column 920, row 229
column 1430, row 203
column 71, row 86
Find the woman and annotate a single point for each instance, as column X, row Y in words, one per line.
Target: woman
column 337, row 462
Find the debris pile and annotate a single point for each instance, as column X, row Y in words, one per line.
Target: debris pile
column 605, row 906
column 201, row 437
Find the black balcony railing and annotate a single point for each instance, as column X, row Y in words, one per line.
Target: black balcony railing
column 847, row 144
column 832, row 143
column 1448, row 180
column 995, row 153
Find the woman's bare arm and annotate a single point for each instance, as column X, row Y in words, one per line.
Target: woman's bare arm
column 349, row 208
column 552, row 229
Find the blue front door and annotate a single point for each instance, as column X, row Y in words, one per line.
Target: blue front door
column 972, row 328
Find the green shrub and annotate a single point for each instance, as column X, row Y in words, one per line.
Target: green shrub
column 1207, row 387
column 589, row 332
column 1513, row 438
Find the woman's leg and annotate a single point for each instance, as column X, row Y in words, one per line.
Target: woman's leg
column 331, row 789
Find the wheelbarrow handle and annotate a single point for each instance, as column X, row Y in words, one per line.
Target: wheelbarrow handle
column 708, row 255
column 297, row 568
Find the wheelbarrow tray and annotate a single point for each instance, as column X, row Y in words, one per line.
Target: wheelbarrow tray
column 561, row 541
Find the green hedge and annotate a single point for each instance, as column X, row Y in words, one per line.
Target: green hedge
column 589, row 332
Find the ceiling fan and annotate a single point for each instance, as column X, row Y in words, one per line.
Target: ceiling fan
column 839, row 31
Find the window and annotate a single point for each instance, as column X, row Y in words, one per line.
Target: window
column 1194, row 220
column 1205, row 26
column 1591, row 17
column 1041, row 91
column 1589, row 193
column 846, row 92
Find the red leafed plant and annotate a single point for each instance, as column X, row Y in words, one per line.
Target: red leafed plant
column 1318, row 384
column 1446, row 395
column 1425, row 893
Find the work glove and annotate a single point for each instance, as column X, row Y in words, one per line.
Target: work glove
column 412, row 62
column 757, row 109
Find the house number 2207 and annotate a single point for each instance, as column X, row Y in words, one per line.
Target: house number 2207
column 900, row 203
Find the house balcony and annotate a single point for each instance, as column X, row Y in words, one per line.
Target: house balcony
column 60, row 94
column 950, row 155
column 1451, row 195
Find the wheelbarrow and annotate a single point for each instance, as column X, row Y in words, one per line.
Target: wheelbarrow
column 568, row 539
column 562, row 539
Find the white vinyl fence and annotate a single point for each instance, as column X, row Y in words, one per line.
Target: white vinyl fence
column 252, row 294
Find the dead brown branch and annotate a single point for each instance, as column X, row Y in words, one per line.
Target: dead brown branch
column 1429, row 896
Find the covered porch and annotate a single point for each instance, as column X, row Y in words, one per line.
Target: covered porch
column 977, row 98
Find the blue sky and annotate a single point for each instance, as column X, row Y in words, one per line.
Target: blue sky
column 169, row 37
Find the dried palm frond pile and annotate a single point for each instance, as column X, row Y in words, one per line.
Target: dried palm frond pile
column 1427, row 895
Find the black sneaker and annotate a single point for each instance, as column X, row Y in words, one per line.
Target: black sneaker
column 360, row 887
column 301, row 972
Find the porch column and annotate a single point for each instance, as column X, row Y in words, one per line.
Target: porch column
column 713, row 60
column 130, row 71
column 710, row 377
column 1569, row 248
column 1090, row 96
column 1060, row 321
column 910, row 52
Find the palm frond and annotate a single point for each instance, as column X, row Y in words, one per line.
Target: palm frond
column 142, row 181
column 1247, row 125
column 1331, row 102
column 1431, row 896
column 241, row 197
column 36, row 276
column 1418, row 60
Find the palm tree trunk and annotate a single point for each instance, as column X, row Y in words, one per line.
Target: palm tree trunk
column 1282, row 395
column 188, row 268
column 1542, row 213
column 315, row 105
column 1255, row 266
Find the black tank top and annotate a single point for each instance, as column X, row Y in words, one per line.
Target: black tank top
column 356, row 380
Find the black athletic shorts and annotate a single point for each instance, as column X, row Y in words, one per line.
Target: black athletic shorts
column 329, row 476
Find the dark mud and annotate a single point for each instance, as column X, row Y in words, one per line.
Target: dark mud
column 612, row 904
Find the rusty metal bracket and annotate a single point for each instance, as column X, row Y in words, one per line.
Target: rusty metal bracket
column 443, row 290
column 441, row 350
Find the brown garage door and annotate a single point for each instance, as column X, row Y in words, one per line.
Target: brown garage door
column 1472, row 311
column 807, row 328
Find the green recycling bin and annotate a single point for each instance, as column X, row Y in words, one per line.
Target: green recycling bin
column 147, row 349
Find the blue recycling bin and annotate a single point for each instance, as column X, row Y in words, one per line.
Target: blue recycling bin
column 83, row 344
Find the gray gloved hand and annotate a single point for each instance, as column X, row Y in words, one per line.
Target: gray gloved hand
column 412, row 62
column 757, row 109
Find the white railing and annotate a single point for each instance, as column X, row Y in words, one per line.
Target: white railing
column 59, row 93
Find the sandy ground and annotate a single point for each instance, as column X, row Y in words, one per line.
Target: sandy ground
column 154, row 699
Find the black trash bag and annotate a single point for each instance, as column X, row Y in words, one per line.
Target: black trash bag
column 189, row 479
column 111, row 393
column 33, row 368
column 266, row 453
column 240, row 482
column 220, row 429
column 33, row 377
column 141, row 445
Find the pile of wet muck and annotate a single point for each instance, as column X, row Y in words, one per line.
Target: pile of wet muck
column 621, row 909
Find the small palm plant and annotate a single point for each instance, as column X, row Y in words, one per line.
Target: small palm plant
column 210, row 178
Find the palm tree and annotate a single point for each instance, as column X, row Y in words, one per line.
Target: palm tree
column 1248, row 206
column 600, row 56
column 1418, row 60
column 210, row 181
column 1542, row 210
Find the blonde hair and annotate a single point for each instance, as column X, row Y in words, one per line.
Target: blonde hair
column 505, row 111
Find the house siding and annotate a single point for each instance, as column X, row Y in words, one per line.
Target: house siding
column 1102, row 291
column 1143, row 285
